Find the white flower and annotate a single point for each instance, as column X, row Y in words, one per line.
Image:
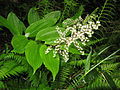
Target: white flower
column 27, row 34
column 98, row 22
column 48, row 50
column 78, row 32
column 90, row 22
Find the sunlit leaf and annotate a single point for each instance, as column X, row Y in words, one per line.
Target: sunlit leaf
column 54, row 14
column 35, row 27
column 48, row 34
column 50, row 62
column 32, row 55
column 19, row 42
column 33, row 15
column 4, row 22
column 17, row 26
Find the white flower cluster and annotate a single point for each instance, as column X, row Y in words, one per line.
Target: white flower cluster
column 78, row 32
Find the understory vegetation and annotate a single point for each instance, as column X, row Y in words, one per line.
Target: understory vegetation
column 59, row 45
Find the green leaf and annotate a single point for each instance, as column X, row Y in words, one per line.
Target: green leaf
column 5, row 23
column 48, row 34
column 17, row 26
column 35, row 27
column 55, row 15
column 33, row 15
column 87, row 63
column 32, row 55
column 109, row 80
column 51, row 63
column 19, row 42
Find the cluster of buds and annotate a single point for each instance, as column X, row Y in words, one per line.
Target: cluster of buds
column 76, row 31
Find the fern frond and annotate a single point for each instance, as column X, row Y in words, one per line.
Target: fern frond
column 93, row 42
column 90, row 78
column 107, row 12
column 12, row 64
column 2, row 56
column 117, row 82
column 35, row 79
column 109, row 67
column 98, row 84
column 116, row 74
column 89, row 16
column 10, row 68
column 78, row 63
column 93, row 81
column 2, row 85
column 62, row 78
column 19, row 59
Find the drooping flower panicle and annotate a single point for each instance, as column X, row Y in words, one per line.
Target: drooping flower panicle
column 78, row 32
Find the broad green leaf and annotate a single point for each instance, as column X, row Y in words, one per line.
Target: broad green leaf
column 5, row 23
column 51, row 63
column 33, row 15
column 87, row 63
column 48, row 34
column 35, row 27
column 17, row 26
column 32, row 55
column 55, row 15
column 109, row 79
column 19, row 42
